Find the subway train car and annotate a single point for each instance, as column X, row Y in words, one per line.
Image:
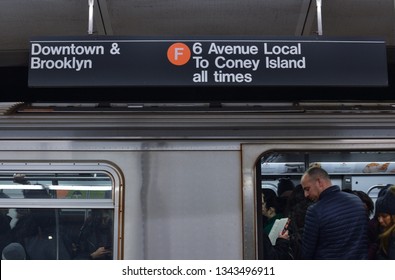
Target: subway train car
column 177, row 181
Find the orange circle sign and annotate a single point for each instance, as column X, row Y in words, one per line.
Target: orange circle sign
column 178, row 54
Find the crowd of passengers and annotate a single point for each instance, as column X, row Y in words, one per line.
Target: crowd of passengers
column 35, row 235
column 325, row 222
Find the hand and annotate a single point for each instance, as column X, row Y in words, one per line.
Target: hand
column 100, row 252
column 284, row 234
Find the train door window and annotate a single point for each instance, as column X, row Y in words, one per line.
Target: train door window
column 351, row 170
column 351, row 166
column 61, row 213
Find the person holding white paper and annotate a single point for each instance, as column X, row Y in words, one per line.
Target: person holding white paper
column 270, row 209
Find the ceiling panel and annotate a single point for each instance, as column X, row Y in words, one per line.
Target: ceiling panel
column 22, row 19
column 221, row 17
column 367, row 18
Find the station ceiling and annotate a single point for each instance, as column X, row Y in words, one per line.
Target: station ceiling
column 22, row 19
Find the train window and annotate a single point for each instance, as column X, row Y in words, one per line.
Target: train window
column 61, row 211
column 56, row 185
column 366, row 171
column 61, row 233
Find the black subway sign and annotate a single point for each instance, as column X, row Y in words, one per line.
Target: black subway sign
column 126, row 61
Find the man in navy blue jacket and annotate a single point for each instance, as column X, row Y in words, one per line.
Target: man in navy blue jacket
column 336, row 224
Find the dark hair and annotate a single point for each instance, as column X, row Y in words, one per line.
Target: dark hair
column 296, row 197
column 268, row 192
column 284, row 185
column 297, row 205
column 383, row 190
column 366, row 200
column 272, row 201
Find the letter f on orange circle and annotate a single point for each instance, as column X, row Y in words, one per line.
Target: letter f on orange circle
column 178, row 54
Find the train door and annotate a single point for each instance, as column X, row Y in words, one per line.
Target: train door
column 367, row 166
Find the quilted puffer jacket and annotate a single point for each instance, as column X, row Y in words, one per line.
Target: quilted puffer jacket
column 336, row 227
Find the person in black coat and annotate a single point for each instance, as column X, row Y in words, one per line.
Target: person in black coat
column 280, row 251
column 96, row 236
column 297, row 205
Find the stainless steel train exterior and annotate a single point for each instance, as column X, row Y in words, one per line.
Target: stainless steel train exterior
column 185, row 178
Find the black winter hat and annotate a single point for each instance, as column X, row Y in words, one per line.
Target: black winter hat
column 386, row 203
column 284, row 187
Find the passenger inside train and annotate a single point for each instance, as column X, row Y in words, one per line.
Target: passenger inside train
column 386, row 217
column 96, row 236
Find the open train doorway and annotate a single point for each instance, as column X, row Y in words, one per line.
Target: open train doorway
column 359, row 165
